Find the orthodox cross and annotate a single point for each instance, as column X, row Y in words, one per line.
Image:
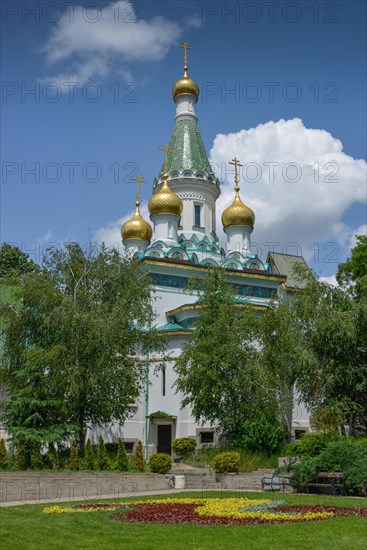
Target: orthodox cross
column 186, row 46
column 236, row 164
column 139, row 179
column 167, row 150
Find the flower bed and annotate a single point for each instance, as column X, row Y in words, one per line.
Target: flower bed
column 211, row 511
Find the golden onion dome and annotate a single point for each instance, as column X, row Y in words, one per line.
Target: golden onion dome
column 136, row 228
column 165, row 201
column 185, row 86
column 238, row 213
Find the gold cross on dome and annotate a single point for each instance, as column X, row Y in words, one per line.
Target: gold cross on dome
column 236, row 164
column 139, row 179
column 186, row 46
column 167, row 150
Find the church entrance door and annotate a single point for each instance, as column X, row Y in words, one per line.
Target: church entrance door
column 164, row 438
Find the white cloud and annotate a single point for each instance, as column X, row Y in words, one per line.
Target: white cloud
column 331, row 280
column 304, row 212
column 92, row 40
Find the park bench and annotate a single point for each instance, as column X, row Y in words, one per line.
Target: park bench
column 276, row 482
column 327, row 483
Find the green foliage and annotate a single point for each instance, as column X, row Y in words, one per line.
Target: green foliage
column 4, row 461
column 36, row 458
column 74, row 334
column 112, row 447
column 103, row 461
column 355, row 268
column 21, row 456
column 139, row 458
column 226, row 462
column 74, row 456
column 89, row 456
column 160, row 463
column 262, row 434
column 219, row 370
column 52, row 457
column 338, row 456
column 14, row 262
column 311, row 444
column 122, row 459
column 184, row 446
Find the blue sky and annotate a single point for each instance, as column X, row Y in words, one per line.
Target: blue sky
column 309, row 55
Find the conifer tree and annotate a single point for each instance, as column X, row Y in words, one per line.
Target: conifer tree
column 74, row 456
column 36, row 458
column 52, row 457
column 103, row 462
column 139, row 458
column 122, row 459
column 21, row 456
column 89, row 456
column 3, row 455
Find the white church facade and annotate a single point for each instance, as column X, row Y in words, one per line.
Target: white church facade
column 181, row 243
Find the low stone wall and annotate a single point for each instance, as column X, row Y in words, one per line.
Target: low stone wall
column 36, row 487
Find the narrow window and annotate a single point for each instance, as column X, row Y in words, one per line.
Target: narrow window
column 197, row 215
column 164, row 381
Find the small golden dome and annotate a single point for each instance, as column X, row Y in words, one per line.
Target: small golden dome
column 185, row 86
column 165, row 201
column 238, row 214
column 136, row 228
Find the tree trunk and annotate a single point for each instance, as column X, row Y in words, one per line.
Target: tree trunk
column 352, row 424
column 81, row 432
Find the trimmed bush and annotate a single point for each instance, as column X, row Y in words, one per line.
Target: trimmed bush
column 184, row 446
column 3, row 455
column 160, row 463
column 339, row 456
column 122, row 460
column 139, row 458
column 21, row 457
column 52, row 457
column 263, row 434
column 74, row 456
column 103, row 462
column 312, row 444
column 36, row 458
column 111, row 447
column 89, row 456
column 226, row 462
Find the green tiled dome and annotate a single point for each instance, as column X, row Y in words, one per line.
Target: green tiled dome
column 188, row 148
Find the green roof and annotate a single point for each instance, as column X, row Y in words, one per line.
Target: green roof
column 170, row 327
column 285, row 264
column 161, row 414
column 188, row 151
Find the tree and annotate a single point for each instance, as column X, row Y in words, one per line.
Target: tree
column 333, row 375
column 89, row 456
column 122, row 460
column 36, row 458
column 139, row 459
column 74, row 456
column 103, row 462
column 355, row 268
column 3, row 455
column 21, row 456
column 71, row 346
column 219, row 371
column 14, row 262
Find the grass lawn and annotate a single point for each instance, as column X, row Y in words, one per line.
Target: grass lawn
column 25, row 527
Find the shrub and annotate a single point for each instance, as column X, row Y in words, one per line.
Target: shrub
column 160, row 463
column 263, row 434
column 184, row 446
column 3, row 455
column 52, row 457
column 226, row 462
column 21, row 457
column 36, row 458
column 74, row 456
column 339, row 456
column 111, row 447
column 139, row 459
column 122, row 460
column 311, row 444
column 103, row 462
column 89, row 456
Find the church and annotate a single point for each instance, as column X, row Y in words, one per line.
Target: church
column 181, row 243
